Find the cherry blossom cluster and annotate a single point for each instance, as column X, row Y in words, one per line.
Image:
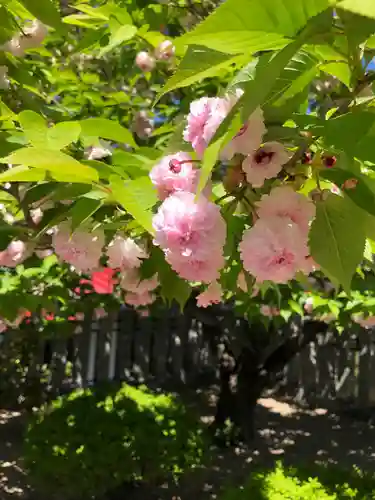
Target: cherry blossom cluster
column 192, row 235
column 83, row 249
column 261, row 160
column 164, row 52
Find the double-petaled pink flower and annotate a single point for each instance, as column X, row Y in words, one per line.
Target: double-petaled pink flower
column 81, row 248
column 265, row 163
column 192, row 234
column 206, row 115
column 125, row 253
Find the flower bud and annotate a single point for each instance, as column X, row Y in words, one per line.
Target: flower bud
column 145, row 62
column 165, row 51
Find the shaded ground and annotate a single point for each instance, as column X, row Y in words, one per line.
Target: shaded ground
column 284, row 431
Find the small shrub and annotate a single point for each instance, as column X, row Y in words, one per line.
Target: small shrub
column 91, row 441
column 318, row 483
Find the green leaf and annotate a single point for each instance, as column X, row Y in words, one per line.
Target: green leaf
column 267, row 73
column 353, row 133
column 119, row 36
column 107, row 129
column 45, row 10
column 83, row 20
column 199, row 63
column 82, row 210
column 363, row 194
column 249, row 26
column 54, row 161
column 361, row 7
column 296, row 76
column 134, row 164
column 338, row 69
column 63, row 134
column 22, row 174
column 137, row 197
column 337, row 238
column 34, row 126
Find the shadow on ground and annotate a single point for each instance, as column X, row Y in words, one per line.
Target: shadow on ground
column 299, row 437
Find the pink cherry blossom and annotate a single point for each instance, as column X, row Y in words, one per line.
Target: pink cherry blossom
column 131, row 282
column 4, row 80
column 145, row 62
column 36, row 215
column 142, row 125
column 144, row 313
column 16, row 253
column 102, row 150
column 35, row 35
column 100, row 313
column 125, row 253
column 82, row 248
column 273, row 249
column 188, row 228
column 212, row 295
column 102, row 281
column 265, row 163
column 309, row 305
column 21, row 314
column 42, row 253
column 249, row 137
column 204, row 119
column 204, row 270
column 368, row 322
column 139, row 299
column 165, row 50
column 15, row 46
column 174, row 173
column 283, row 201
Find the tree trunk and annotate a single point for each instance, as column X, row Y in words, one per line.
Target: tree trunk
column 238, row 401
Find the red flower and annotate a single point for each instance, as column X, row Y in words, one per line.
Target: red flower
column 102, row 281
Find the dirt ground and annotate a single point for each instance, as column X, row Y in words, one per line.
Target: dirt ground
column 283, row 431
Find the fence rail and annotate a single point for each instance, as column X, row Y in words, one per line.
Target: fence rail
column 337, row 367
column 173, row 347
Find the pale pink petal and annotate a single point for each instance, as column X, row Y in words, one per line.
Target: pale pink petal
column 274, row 249
column 82, row 248
column 265, row 163
column 188, row 228
column 212, row 295
column 283, row 201
column 165, row 50
column 144, row 61
column 248, row 139
column 141, row 299
column 125, row 253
